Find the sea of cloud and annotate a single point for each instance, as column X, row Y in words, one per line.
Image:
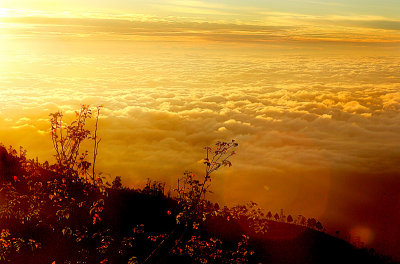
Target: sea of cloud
column 317, row 135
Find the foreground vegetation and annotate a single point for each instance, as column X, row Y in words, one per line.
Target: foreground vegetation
column 66, row 213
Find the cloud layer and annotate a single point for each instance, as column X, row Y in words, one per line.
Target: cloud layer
column 318, row 136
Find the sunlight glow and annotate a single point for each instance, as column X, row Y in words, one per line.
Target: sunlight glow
column 362, row 234
column 3, row 12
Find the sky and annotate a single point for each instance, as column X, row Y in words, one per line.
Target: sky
column 309, row 89
column 366, row 22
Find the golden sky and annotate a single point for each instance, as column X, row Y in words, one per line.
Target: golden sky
column 309, row 89
column 227, row 21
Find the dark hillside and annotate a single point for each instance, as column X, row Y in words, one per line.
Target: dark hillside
column 50, row 216
column 288, row 243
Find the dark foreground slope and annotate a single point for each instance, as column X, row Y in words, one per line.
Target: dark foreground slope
column 295, row 244
column 288, row 243
column 51, row 216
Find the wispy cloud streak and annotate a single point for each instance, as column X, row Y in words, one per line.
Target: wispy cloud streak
column 277, row 27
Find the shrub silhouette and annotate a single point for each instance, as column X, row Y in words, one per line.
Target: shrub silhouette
column 191, row 190
column 67, row 140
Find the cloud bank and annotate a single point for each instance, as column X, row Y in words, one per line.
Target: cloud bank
column 318, row 136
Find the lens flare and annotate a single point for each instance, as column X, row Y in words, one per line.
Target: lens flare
column 362, row 235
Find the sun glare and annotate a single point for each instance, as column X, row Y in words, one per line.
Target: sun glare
column 3, row 12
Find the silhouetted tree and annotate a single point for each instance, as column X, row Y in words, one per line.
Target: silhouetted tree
column 311, row 222
column 68, row 138
column 301, row 220
column 269, row 215
column 289, row 219
column 96, row 141
column 276, row 216
column 154, row 188
column 319, row 226
column 117, row 183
